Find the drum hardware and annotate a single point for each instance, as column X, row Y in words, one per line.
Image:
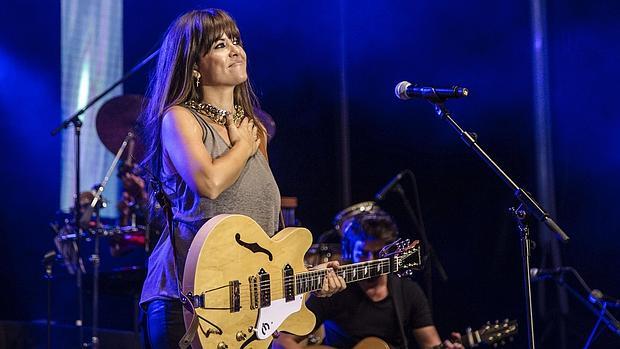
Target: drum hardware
column 288, row 204
column 77, row 126
column 344, row 217
column 48, row 261
column 322, row 253
column 85, row 223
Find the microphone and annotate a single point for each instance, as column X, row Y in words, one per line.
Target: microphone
column 388, row 187
column 597, row 296
column 405, row 90
column 540, row 274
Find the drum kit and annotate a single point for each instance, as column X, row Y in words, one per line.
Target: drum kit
column 115, row 126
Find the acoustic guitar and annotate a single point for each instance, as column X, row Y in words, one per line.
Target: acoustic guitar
column 490, row 334
column 244, row 285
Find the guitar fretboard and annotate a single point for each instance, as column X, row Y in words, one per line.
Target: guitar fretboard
column 313, row 280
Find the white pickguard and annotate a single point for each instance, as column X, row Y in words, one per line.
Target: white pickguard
column 271, row 317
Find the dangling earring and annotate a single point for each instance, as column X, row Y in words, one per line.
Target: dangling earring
column 196, row 76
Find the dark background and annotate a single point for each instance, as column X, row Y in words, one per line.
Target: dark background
column 297, row 53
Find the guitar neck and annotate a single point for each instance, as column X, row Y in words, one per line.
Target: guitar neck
column 469, row 340
column 443, row 346
column 313, row 280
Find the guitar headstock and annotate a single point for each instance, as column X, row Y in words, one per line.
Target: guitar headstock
column 405, row 255
column 495, row 333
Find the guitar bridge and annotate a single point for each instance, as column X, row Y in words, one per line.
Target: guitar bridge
column 235, row 296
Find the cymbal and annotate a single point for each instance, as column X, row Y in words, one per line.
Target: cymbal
column 115, row 119
column 352, row 211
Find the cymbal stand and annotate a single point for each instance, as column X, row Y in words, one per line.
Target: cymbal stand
column 528, row 205
column 94, row 258
column 77, row 125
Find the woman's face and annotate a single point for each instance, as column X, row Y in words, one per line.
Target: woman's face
column 224, row 64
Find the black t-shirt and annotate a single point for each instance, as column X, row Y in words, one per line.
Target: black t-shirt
column 350, row 316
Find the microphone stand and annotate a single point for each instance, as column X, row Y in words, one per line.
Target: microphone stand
column 604, row 316
column 428, row 248
column 528, row 205
column 77, row 126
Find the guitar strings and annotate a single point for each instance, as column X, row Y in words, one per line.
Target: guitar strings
column 303, row 280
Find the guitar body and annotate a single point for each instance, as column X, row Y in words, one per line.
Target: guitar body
column 371, row 343
column 366, row 343
column 226, row 252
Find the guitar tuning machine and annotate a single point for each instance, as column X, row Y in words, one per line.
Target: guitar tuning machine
column 222, row 345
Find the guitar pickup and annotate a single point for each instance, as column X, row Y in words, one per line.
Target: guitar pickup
column 253, row 282
column 288, row 284
column 264, row 286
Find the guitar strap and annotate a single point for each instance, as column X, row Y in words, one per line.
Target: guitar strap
column 187, row 303
column 395, row 285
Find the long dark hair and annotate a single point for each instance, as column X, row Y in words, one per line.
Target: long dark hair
column 188, row 38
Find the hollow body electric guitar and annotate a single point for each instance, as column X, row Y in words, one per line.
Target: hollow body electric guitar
column 490, row 334
column 244, row 285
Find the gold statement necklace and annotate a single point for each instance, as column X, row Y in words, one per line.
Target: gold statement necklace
column 217, row 115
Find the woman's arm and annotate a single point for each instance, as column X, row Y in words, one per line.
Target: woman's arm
column 182, row 142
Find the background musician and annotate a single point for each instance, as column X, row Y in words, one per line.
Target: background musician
column 388, row 307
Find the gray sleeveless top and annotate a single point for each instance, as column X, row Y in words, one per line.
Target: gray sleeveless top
column 254, row 194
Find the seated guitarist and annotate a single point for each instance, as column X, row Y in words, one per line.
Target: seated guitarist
column 388, row 307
